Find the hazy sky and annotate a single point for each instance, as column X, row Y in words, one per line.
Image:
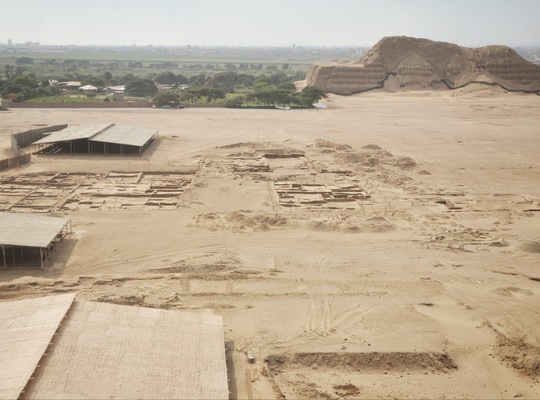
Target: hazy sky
column 269, row 22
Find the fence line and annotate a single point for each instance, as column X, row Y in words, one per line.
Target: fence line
column 15, row 161
column 23, row 139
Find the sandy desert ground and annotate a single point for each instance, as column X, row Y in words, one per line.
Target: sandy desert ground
column 388, row 247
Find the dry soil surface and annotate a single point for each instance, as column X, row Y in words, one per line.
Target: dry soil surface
column 388, row 246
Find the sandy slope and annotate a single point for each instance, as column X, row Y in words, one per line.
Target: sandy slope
column 428, row 287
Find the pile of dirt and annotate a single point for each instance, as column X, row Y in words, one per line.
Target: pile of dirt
column 531, row 246
column 266, row 149
column 207, row 263
column 403, row 63
column 479, row 90
column 346, row 390
column 350, row 224
column 240, row 221
column 325, row 146
column 520, row 355
column 128, row 300
column 365, row 362
column 372, row 156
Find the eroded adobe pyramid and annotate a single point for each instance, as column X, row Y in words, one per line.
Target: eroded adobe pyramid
column 404, row 63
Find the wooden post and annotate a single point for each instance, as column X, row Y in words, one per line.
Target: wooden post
column 4, row 254
column 41, row 256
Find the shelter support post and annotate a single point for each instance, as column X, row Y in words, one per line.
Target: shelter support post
column 41, row 257
column 4, row 256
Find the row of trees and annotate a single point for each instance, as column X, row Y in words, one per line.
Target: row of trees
column 26, row 87
column 165, row 65
column 265, row 97
column 262, row 90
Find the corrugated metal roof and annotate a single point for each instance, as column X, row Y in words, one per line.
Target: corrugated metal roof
column 108, row 133
column 133, row 352
column 29, row 229
column 128, row 135
column 74, row 133
column 28, row 327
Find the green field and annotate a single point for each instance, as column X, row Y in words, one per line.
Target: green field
column 37, row 57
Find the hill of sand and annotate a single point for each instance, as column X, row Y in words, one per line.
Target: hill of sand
column 385, row 247
column 404, row 63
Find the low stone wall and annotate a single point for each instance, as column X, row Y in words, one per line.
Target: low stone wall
column 90, row 104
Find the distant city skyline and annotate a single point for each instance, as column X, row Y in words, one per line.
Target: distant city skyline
column 469, row 23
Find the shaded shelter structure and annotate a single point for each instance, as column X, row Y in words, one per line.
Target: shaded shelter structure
column 57, row 347
column 28, row 237
column 98, row 139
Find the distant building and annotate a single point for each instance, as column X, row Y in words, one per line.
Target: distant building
column 88, row 88
column 71, row 85
column 116, row 89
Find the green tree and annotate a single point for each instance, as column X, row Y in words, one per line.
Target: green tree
column 128, row 78
column 287, row 86
column 141, row 88
column 226, row 81
column 234, row 102
column 310, row 95
column 24, row 60
column 214, row 94
column 107, row 76
column 197, row 80
column 22, row 87
column 194, row 94
column 19, row 70
column 181, row 79
column 278, row 78
column 270, row 96
column 166, row 78
column 262, row 81
column 246, row 80
column 93, row 80
column 166, row 98
column 28, row 81
column 8, row 71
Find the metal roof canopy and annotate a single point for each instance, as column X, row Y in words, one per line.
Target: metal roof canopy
column 106, row 133
column 133, row 353
column 29, row 230
column 28, row 327
column 126, row 135
column 26, row 230
column 74, row 133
